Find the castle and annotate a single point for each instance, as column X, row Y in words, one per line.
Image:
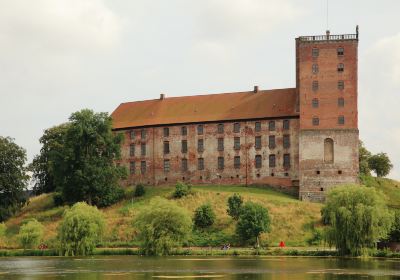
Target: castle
column 303, row 140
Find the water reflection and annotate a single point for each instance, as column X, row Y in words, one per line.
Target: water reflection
column 251, row 268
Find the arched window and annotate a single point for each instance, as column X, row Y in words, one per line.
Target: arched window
column 328, row 150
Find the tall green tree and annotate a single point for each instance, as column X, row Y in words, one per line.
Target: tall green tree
column 357, row 217
column 44, row 165
column 87, row 171
column 380, row 164
column 363, row 157
column 253, row 220
column 162, row 225
column 13, row 178
column 235, row 203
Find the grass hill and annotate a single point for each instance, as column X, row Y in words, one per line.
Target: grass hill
column 291, row 218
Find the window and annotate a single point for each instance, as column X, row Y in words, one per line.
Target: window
column 132, row 150
column 220, row 144
column 200, row 163
column 271, row 141
column 286, row 124
column 132, row 134
column 166, row 131
column 340, row 51
column 340, row 102
column 166, row 165
column 184, row 130
column 286, row 141
column 257, row 126
column 220, row 128
column 340, row 67
column 341, row 120
column 236, row 143
column 143, row 167
column 132, row 167
column 200, row 129
column 258, row 142
column 184, row 165
column 271, row 126
column 236, row 127
column 184, row 146
column 258, row 161
column 143, row 134
column 272, row 161
column 315, row 68
column 236, row 162
column 315, row 121
column 315, row 52
column 315, row 103
column 340, row 85
column 200, row 145
column 143, row 149
column 286, row 160
column 220, row 163
column 328, row 150
column 315, row 85
column 166, row 147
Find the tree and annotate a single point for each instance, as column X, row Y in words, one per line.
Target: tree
column 13, row 179
column 253, row 220
column 380, row 164
column 357, row 217
column 363, row 158
column 87, row 171
column 49, row 159
column 80, row 230
column 235, row 203
column 204, row 216
column 394, row 235
column 30, row 234
column 162, row 225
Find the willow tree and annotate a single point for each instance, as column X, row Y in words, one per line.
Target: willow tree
column 357, row 217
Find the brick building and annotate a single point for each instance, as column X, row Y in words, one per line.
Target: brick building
column 303, row 139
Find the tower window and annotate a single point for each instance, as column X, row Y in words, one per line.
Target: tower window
column 286, row 160
column 315, row 68
column 166, row 165
column 220, row 128
column 143, row 134
column 341, row 120
column 315, row 103
column 143, row 149
column 166, row 147
column 220, row 144
column 132, row 150
column 200, row 145
column 272, row 160
column 315, row 121
column 271, row 141
column 315, row 52
column 200, row 129
column 328, row 150
column 271, row 126
column 236, row 127
column 286, row 141
column 236, row 143
column 143, row 167
column 184, row 165
column 258, row 142
column 236, row 162
column 286, row 124
column 220, row 163
column 257, row 126
column 166, row 131
column 258, row 161
column 132, row 134
column 340, row 67
column 200, row 163
column 340, row 85
column 340, row 51
column 184, row 146
column 340, row 102
column 184, row 130
column 315, row 85
column 132, row 167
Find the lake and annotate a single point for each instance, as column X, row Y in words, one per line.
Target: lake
column 193, row 267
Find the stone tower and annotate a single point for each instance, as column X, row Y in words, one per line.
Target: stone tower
column 326, row 81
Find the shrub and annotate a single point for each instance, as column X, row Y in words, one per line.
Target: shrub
column 234, row 206
column 357, row 217
column 181, row 190
column 162, row 225
column 204, row 216
column 80, row 230
column 30, row 234
column 58, row 199
column 139, row 190
column 253, row 220
column 3, row 229
column 394, row 235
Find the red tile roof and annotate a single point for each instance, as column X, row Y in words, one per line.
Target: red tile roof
column 207, row 108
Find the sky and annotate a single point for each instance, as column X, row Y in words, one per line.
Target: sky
column 60, row 56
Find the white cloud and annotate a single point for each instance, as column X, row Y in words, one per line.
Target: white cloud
column 379, row 98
